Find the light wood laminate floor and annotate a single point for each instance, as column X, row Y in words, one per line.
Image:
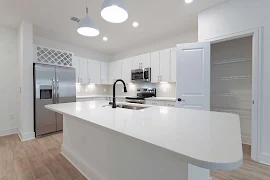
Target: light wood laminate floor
column 41, row 159
column 36, row 159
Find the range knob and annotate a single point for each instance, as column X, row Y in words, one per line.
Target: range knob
column 179, row 99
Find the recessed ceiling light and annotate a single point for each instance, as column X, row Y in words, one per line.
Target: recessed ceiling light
column 188, row 1
column 105, row 39
column 135, row 24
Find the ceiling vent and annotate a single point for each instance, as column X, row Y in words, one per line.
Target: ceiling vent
column 75, row 19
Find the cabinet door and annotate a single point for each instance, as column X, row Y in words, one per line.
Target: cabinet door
column 146, row 61
column 173, row 65
column 165, row 65
column 94, row 71
column 136, row 62
column 115, row 71
column 170, row 104
column 126, row 70
column 155, row 103
column 76, row 65
column 83, row 71
column 104, row 73
column 155, row 67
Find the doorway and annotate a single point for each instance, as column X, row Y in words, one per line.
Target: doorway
column 231, row 81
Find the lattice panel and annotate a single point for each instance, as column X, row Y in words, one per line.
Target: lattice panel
column 53, row 57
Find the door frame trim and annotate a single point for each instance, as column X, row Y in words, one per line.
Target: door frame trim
column 257, row 69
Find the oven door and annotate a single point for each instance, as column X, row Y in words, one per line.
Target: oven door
column 137, row 75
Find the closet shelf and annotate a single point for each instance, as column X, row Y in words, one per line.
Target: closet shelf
column 231, row 61
column 240, row 112
column 232, row 94
column 234, row 78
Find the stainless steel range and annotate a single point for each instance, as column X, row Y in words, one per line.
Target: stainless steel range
column 142, row 93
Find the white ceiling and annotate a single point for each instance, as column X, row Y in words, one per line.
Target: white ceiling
column 158, row 19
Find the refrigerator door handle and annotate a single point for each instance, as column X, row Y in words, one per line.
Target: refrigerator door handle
column 53, row 91
column 57, row 91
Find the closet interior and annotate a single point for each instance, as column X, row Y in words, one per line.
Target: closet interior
column 231, row 81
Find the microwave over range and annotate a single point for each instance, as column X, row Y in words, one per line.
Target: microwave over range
column 141, row 75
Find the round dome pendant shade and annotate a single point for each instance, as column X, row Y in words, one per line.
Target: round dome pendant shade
column 114, row 11
column 86, row 27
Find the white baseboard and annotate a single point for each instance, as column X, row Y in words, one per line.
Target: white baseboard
column 246, row 140
column 6, row 132
column 264, row 159
column 80, row 165
column 26, row 136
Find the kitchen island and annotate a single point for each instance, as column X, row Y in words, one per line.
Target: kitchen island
column 153, row 143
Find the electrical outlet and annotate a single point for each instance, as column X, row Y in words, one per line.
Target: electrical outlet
column 3, row 90
column 11, row 116
column 105, row 90
column 83, row 139
column 86, row 90
column 164, row 90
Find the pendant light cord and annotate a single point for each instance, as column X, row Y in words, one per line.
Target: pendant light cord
column 86, row 4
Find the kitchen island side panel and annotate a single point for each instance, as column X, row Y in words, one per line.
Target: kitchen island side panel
column 103, row 154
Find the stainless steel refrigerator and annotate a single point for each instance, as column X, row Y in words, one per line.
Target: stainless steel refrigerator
column 52, row 85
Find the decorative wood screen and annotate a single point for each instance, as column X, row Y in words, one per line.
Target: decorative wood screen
column 51, row 56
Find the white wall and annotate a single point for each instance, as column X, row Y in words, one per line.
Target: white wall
column 169, row 42
column 9, row 80
column 25, row 36
column 81, row 52
column 238, row 15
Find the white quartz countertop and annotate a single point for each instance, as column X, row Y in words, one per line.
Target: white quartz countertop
column 210, row 140
column 105, row 96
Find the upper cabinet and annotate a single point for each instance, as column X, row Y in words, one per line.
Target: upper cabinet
column 155, row 67
column 160, row 66
column 83, row 71
column 94, row 72
column 164, row 65
column 142, row 61
column 115, row 71
column 126, row 70
column 173, row 65
column 91, row 71
column 104, row 73
column 76, row 65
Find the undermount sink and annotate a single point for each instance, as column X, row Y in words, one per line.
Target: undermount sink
column 125, row 106
column 130, row 107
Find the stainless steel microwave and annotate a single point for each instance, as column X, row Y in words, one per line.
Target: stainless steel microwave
column 141, row 75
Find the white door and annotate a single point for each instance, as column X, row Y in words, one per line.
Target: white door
column 126, row 70
column 83, row 71
column 164, row 65
column 94, row 71
column 193, row 76
column 104, row 70
column 155, row 67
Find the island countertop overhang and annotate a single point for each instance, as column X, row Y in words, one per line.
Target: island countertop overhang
column 210, row 140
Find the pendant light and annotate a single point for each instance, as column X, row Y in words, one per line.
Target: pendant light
column 114, row 11
column 86, row 26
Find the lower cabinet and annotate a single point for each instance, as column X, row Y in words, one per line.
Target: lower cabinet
column 155, row 103
column 170, row 104
column 161, row 103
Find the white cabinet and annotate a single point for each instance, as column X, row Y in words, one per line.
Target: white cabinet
column 142, row 61
column 173, row 65
column 76, row 65
column 170, row 104
column 93, row 71
column 164, row 65
column 104, row 73
column 115, row 71
column 126, row 70
column 81, row 70
column 155, row 103
column 160, row 66
column 155, row 67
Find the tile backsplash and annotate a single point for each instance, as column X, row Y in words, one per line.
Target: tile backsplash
column 163, row 90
